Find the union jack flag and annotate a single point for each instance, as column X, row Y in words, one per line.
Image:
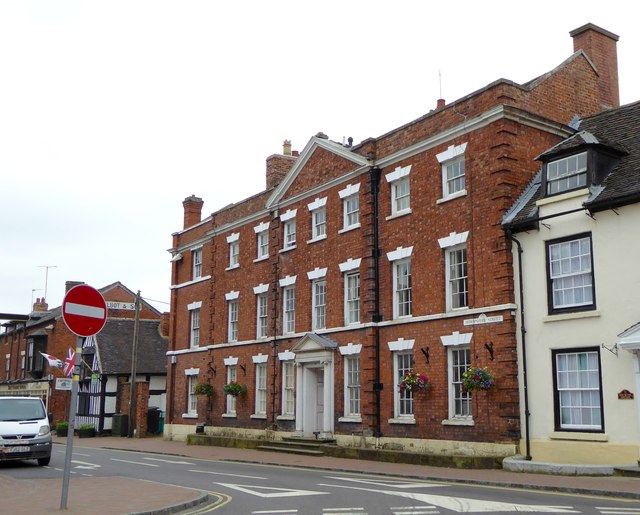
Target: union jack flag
column 69, row 363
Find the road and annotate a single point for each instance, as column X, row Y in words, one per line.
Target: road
column 249, row 488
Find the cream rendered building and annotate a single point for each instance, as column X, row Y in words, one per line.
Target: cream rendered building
column 577, row 278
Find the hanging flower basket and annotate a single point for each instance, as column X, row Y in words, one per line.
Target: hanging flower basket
column 203, row 389
column 414, row 382
column 476, row 378
column 234, row 388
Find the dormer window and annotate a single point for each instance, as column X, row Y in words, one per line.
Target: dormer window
column 566, row 174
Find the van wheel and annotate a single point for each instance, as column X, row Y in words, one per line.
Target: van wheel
column 43, row 462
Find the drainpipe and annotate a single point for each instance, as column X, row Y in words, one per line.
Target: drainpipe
column 374, row 176
column 523, row 332
column 274, row 343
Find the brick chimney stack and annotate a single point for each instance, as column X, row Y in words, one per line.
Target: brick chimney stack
column 601, row 47
column 279, row 165
column 192, row 211
column 40, row 305
column 71, row 284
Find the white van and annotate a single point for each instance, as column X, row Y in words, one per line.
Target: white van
column 24, row 430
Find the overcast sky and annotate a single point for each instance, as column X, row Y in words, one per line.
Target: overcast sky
column 112, row 112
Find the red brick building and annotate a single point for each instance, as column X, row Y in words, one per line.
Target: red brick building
column 360, row 263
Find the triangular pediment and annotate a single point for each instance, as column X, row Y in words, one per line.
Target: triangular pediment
column 630, row 338
column 312, row 342
column 318, row 151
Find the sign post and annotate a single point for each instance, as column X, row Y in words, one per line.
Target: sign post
column 84, row 312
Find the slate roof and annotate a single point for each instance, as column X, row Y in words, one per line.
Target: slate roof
column 114, row 344
column 617, row 130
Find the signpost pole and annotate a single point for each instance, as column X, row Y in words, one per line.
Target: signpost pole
column 72, row 422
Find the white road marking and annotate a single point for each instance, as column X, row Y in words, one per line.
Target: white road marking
column 259, row 491
column 388, row 484
column 330, row 510
column 618, row 511
column 275, row 511
column 462, row 505
column 85, row 465
column 136, row 462
column 224, row 474
column 169, row 461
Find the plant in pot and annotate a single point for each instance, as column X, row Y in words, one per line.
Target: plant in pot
column 476, row 378
column 203, row 389
column 86, row 431
column 62, row 428
column 414, row 382
column 234, row 388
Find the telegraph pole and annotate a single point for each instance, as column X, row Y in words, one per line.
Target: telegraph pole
column 134, row 356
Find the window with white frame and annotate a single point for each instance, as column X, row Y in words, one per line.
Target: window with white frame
column 570, row 274
column 400, row 190
column 262, row 240
column 459, row 357
column 261, row 389
column 234, row 250
column 352, row 386
column 288, row 304
column 232, row 334
column 263, row 244
column 350, row 206
column 403, row 363
column 288, row 388
column 192, row 398
column 262, row 315
column 288, row 220
column 566, row 174
column 457, row 279
column 319, row 304
column 232, row 377
column 352, row 297
column 578, row 393
column 194, row 324
column 402, row 351
column 452, row 161
column 197, row 263
column 318, row 218
column 401, row 261
column 402, row 288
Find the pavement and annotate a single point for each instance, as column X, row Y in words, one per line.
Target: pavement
column 123, row 495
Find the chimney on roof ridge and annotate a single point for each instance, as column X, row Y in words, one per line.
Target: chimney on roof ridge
column 440, row 104
column 40, row 305
column 192, row 211
column 71, row 284
column 278, row 165
column 600, row 46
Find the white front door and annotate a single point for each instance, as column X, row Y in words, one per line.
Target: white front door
column 319, row 423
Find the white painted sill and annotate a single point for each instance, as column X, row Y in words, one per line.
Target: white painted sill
column 350, row 228
column 458, row 422
column 399, row 215
column 402, row 420
column 571, row 316
column 461, row 193
column 229, row 415
column 319, row 238
column 351, row 420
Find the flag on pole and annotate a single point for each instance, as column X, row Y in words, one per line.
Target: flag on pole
column 69, row 363
column 52, row 360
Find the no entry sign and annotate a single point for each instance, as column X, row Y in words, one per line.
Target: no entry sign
column 84, row 310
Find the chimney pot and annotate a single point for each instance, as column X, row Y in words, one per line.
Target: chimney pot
column 286, row 147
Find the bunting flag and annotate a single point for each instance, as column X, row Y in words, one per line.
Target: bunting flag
column 69, row 363
column 52, row 360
